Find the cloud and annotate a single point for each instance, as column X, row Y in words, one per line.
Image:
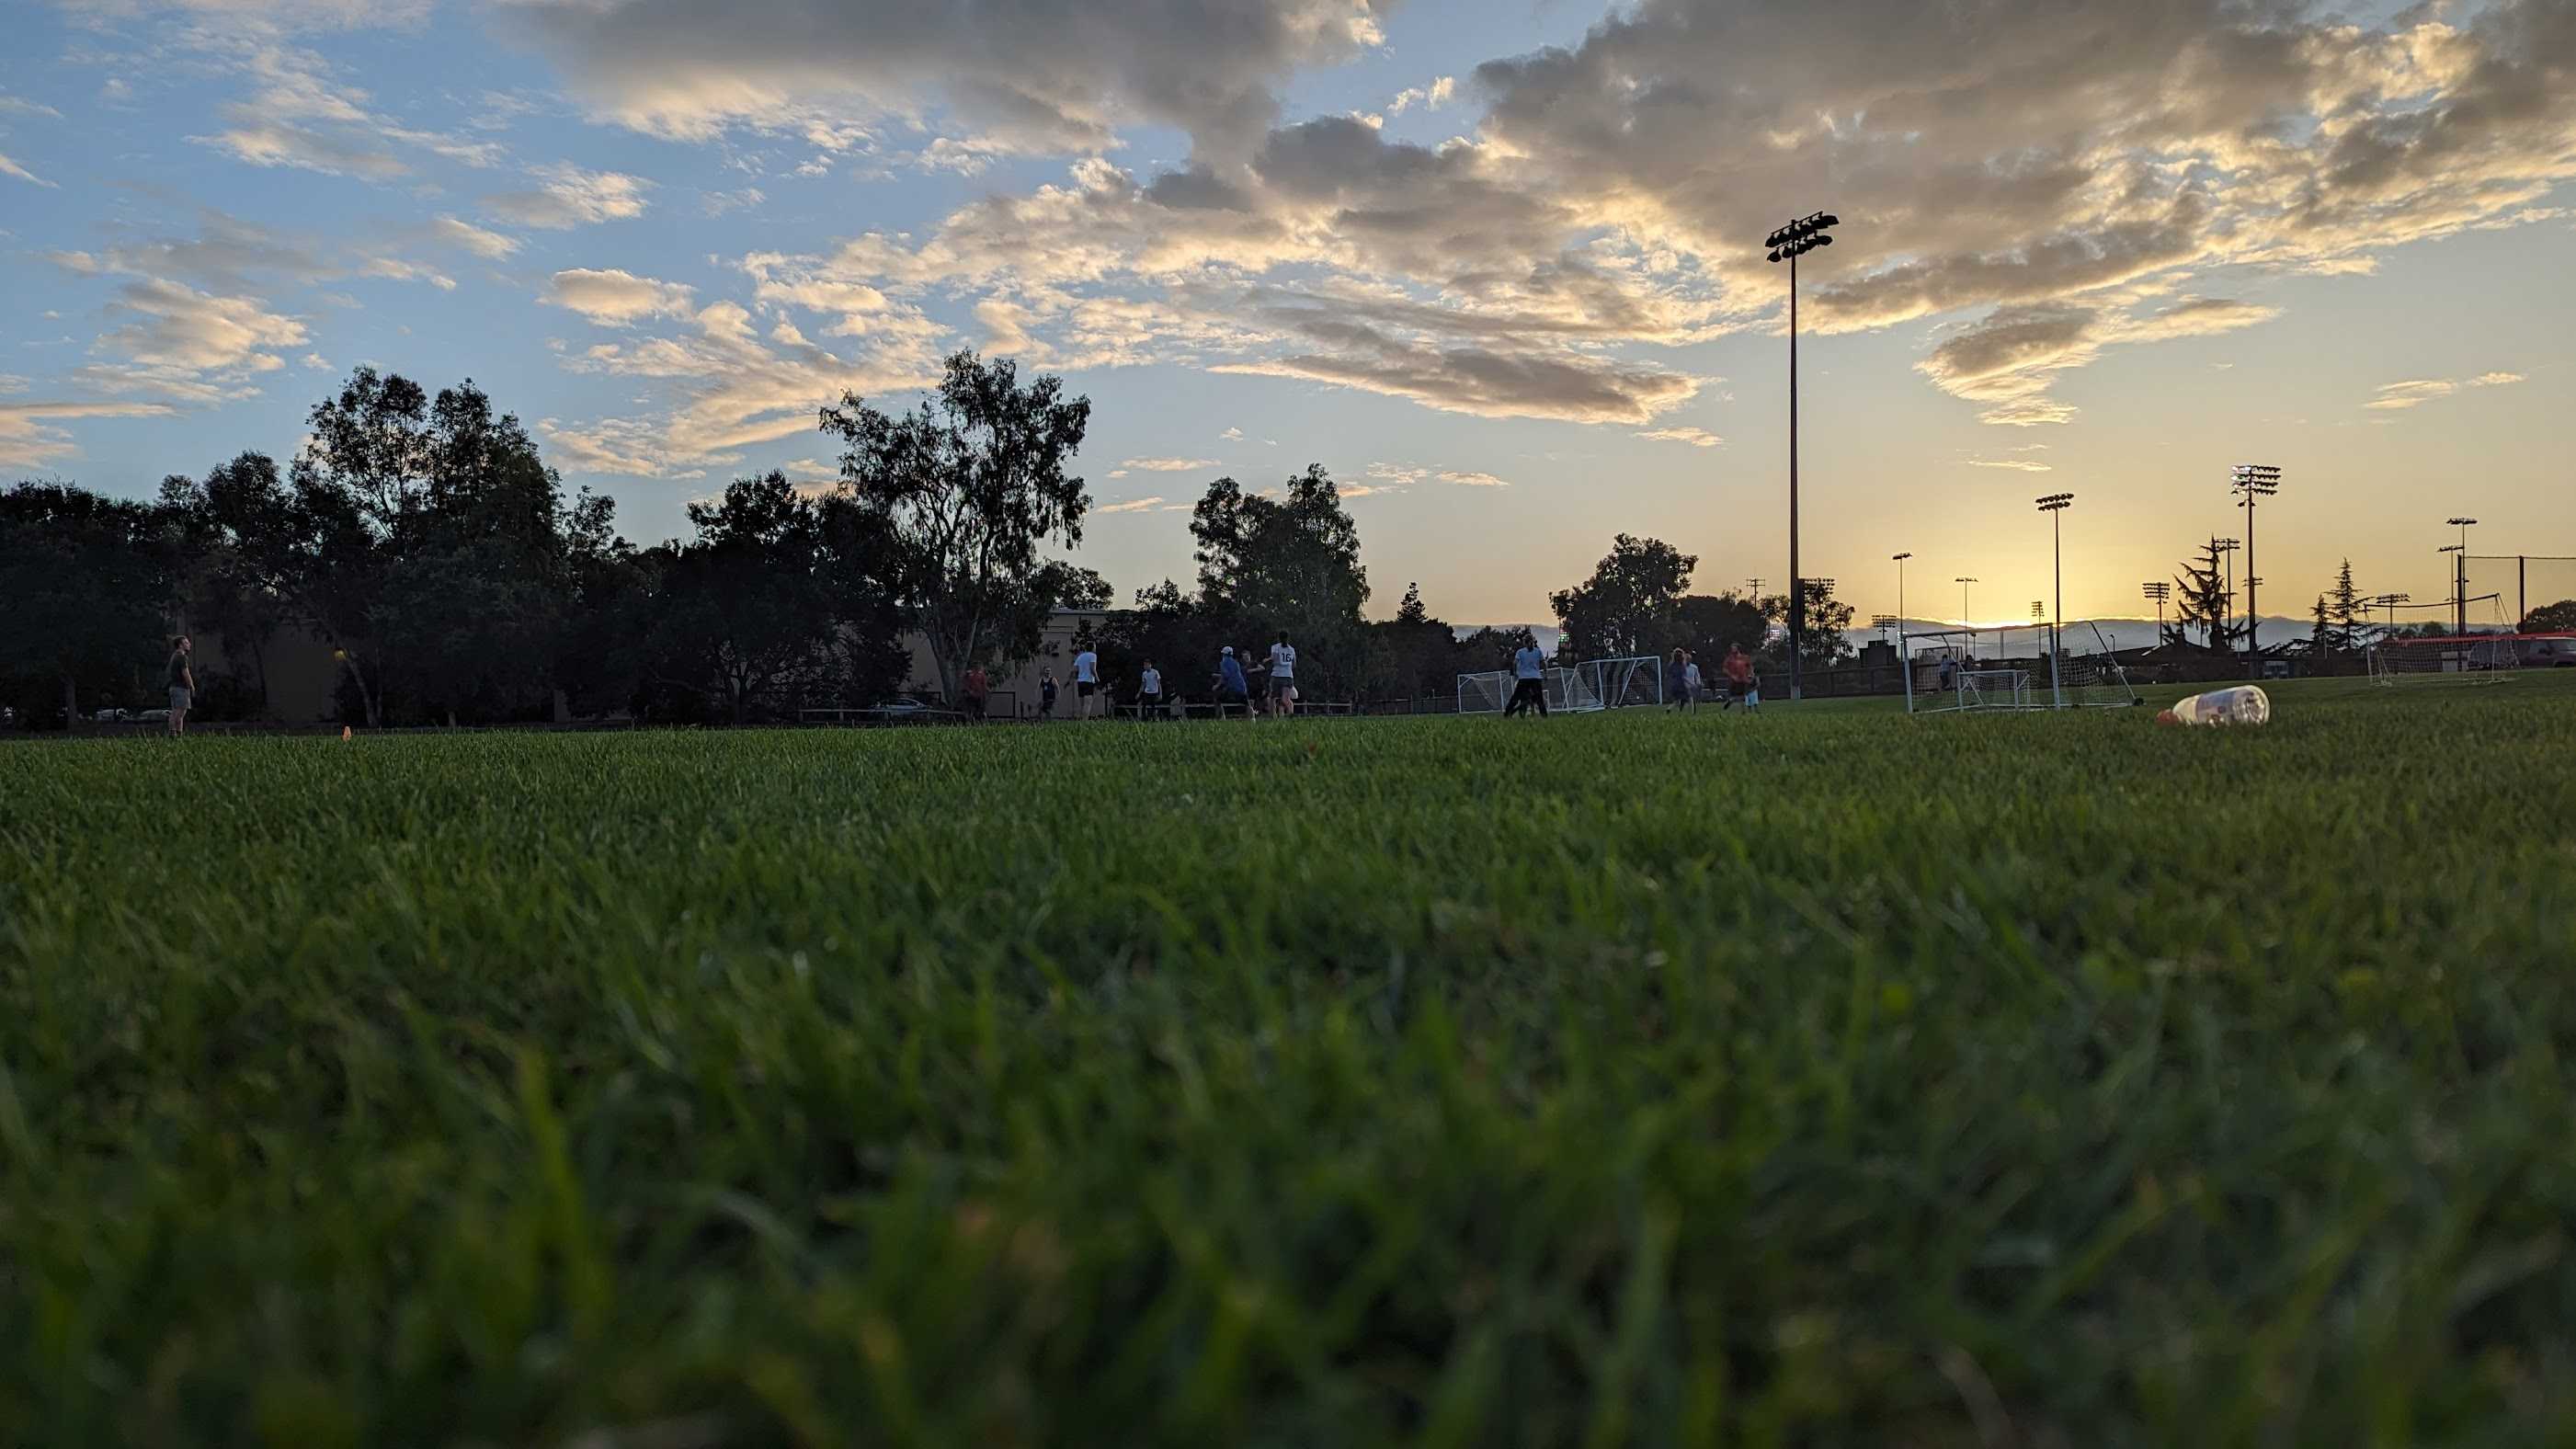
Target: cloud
column 1696, row 437
column 12, row 168
column 296, row 116
column 466, row 236
column 394, row 269
column 2019, row 465
column 717, row 203
column 1473, row 480
column 2414, row 393
column 1168, row 465
column 1132, row 505
column 1431, row 97
column 569, row 196
column 1027, row 76
column 1232, row 435
column 615, row 297
column 26, row 440
column 2011, row 357
column 178, row 327
column 21, row 106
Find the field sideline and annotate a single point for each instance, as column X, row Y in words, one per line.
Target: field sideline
column 1823, row 1077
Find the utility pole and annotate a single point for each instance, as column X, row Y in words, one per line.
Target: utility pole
column 2460, row 577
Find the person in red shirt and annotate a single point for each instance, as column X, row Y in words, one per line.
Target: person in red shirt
column 1740, row 683
column 978, row 690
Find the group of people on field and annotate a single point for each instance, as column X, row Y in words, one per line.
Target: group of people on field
column 1230, row 687
column 1684, row 685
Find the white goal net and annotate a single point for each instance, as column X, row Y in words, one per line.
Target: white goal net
column 1621, row 683
column 1944, row 673
column 1491, row 692
column 2484, row 654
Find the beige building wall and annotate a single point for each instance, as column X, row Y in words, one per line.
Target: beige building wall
column 1015, row 694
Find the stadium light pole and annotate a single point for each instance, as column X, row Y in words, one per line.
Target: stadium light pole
column 1899, row 560
column 2390, row 603
column 2460, row 577
column 1967, row 620
column 2159, row 590
column 2252, row 481
column 2054, row 505
column 1788, row 243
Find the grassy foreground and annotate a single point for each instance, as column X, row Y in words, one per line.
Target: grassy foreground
column 1829, row 1079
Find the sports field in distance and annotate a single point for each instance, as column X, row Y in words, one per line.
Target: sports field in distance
column 1826, row 1077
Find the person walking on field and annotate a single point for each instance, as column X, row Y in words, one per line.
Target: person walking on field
column 1149, row 693
column 1529, row 682
column 183, row 685
column 1231, row 686
column 1677, row 690
column 1046, row 695
column 978, row 690
column 1283, row 677
column 1086, row 682
column 1691, row 682
column 1739, row 678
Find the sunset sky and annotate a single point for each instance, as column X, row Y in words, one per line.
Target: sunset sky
column 1495, row 264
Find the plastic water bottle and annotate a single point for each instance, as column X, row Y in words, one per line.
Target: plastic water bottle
column 2246, row 704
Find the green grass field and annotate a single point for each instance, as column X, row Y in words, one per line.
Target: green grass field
column 1827, row 1078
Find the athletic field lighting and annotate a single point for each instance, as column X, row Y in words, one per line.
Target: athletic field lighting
column 2460, row 576
column 2159, row 590
column 1899, row 560
column 2250, row 482
column 1789, row 243
column 2227, row 548
column 2053, row 505
column 1965, row 622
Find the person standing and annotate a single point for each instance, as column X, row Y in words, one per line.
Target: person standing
column 1283, row 677
column 978, row 690
column 183, row 685
column 1231, row 686
column 1149, row 693
column 1739, row 678
column 1086, row 682
column 1046, row 695
column 1529, row 681
column 1677, row 681
column 1692, row 684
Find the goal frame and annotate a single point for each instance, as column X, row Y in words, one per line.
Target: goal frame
column 1560, row 685
column 1626, row 681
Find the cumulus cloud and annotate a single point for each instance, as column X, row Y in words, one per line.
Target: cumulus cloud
column 172, row 325
column 615, row 297
column 1132, row 505
column 297, row 116
column 568, row 196
column 1025, row 73
column 2497, row 379
column 1232, row 435
column 1696, row 437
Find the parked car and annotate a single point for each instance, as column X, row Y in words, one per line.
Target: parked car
column 902, row 706
column 112, row 715
column 154, row 716
column 2556, row 651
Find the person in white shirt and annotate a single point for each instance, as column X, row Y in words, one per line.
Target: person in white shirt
column 1149, row 692
column 1690, row 681
column 1086, row 682
column 1283, row 677
column 1529, row 682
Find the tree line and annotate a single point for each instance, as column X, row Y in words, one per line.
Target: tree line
column 425, row 542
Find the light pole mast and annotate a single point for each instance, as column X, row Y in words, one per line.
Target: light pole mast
column 2227, row 548
column 1899, row 559
column 2252, row 481
column 2460, row 577
column 2054, row 505
column 1789, row 242
column 1966, row 620
column 2159, row 590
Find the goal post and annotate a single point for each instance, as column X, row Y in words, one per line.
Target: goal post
column 1943, row 674
column 1621, row 683
column 2489, row 651
column 1491, row 691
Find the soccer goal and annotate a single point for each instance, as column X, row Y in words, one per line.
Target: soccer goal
column 2093, row 681
column 2486, row 656
column 1944, row 674
column 1621, row 683
column 1490, row 692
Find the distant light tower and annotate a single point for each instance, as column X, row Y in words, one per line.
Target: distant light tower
column 2252, row 481
column 2054, row 505
column 2159, row 590
column 2460, row 577
column 2227, row 548
column 1966, row 619
column 1899, row 560
column 1788, row 243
